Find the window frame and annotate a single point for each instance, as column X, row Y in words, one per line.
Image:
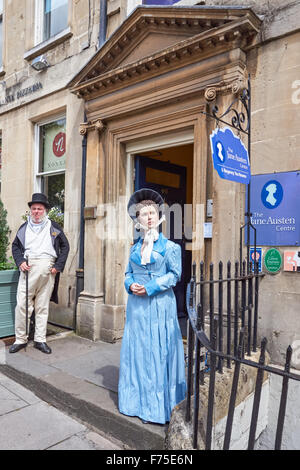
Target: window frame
column 2, row 19
column 39, row 18
column 39, row 175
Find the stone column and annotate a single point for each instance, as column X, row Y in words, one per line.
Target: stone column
column 100, row 313
column 91, row 299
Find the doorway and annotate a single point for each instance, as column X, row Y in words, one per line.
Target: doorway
column 170, row 172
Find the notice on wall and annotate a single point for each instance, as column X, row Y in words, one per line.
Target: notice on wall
column 291, row 261
column 256, row 254
column 274, row 204
column 273, row 261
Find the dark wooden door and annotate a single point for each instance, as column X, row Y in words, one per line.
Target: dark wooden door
column 169, row 180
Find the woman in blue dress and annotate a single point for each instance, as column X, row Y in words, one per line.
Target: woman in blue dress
column 152, row 369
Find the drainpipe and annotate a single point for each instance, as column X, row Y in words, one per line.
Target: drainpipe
column 102, row 23
column 80, row 270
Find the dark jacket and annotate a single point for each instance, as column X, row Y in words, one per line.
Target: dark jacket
column 60, row 244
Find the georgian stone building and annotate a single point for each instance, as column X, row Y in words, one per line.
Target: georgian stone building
column 138, row 104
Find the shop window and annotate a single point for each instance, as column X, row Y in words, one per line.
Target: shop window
column 51, row 162
column 51, row 18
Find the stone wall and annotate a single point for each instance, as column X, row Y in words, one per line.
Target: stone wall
column 291, row 429
column 179, row 434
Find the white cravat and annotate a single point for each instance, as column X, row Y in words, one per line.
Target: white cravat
column 150, row 236
column 38, row 244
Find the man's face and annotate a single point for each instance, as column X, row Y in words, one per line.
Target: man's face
column 37, row 212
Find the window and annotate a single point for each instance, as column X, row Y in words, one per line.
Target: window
column 1, row 32
column 55, row 17
column 51, row 18
column 51, row 162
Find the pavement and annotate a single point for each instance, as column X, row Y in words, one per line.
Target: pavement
column 28, row 423
column 80, row 379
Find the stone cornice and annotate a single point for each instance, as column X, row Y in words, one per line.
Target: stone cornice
column 188, row 51
column 220, row 31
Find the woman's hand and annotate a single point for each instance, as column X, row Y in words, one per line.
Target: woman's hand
column 137, row 289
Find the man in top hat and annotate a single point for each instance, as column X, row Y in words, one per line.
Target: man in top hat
column 40, row 250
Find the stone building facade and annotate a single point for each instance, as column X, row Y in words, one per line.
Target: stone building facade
column 139, row 101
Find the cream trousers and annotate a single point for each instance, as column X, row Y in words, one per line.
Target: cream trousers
column 40, row 287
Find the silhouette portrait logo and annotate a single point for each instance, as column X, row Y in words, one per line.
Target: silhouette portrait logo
column 272, row 194
column 220, row 151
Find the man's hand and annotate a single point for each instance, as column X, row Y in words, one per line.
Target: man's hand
column 137, row 289
column 24, row 267
column 54, row 271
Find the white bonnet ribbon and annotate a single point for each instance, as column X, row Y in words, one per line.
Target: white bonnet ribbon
column 151, row 235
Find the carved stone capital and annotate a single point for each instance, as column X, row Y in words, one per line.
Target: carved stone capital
column 237, row 86
column 92, row 125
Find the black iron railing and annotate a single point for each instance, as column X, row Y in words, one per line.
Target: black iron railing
column 207, row 354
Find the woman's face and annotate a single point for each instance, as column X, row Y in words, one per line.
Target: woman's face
column 148, row 216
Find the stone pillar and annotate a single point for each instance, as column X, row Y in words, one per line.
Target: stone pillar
column 100, row 311
column 92, row 297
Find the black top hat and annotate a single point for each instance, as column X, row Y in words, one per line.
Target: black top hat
column 39, row 198
column 141, row 195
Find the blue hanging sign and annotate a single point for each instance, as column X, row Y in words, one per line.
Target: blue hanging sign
column 274, row 205
column 230, row 156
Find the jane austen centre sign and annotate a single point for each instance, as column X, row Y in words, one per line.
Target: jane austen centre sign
column 275, row 200
column 230, row 156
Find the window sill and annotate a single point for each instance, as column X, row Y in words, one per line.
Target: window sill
column 49, row 44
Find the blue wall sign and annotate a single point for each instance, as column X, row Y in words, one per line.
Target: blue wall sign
column 230, row 156
column 275, row 201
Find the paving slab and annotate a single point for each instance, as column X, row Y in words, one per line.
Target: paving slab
column 21, row 392
column 80, row 378
column 9, row 402
column 100, row 369
column 23, row 360
column 35, row 427
column 86, row 441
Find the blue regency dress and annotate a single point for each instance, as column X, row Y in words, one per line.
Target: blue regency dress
column 152, row 369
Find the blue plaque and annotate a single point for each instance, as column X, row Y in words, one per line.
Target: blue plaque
column 274, row 204
column 230, row 156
